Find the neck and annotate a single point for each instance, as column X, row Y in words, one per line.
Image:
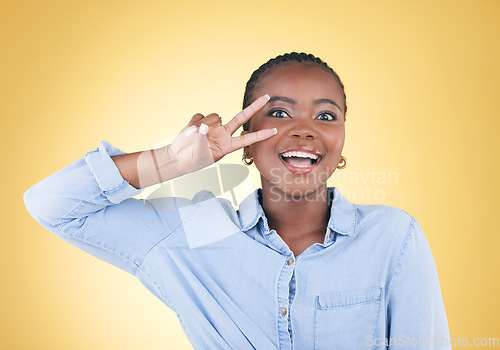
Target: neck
column 296, row 215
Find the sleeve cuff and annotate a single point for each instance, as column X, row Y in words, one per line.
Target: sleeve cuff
column 107, row 175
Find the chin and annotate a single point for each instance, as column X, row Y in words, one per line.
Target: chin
column 310, row 194
column 295, row 189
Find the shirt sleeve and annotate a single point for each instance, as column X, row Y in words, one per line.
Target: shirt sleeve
column 88, row 204
column 416, row 313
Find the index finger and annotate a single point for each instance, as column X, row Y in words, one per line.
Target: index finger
column 242, row 117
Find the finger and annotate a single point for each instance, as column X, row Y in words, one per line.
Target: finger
column 242, row 117
column 195, row 119
column 188, row 130
column 203, row 129
column 248, row 139
column 212, row 119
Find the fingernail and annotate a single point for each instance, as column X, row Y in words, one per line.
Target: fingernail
column 267, row 96
column 203, row 129
column 191, row 130
column 275, row 131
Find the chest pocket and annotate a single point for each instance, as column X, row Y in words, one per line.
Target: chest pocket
column 346, row 320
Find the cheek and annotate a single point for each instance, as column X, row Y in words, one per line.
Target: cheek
column 258, row 122
column 262, row 148
column 334, row 139
column 258, row 149
column 341, row 138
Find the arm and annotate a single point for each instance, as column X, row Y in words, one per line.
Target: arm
column 191, row 151
column 415, row 306
column 143, row 169
column 89, row 205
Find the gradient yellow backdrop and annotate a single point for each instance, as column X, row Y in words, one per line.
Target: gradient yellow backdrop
column 422, row 83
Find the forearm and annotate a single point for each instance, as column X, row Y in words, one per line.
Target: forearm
column 146, row 168
column 79, row 189
column 89, row 205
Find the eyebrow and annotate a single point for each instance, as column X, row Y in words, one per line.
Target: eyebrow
column 293, row 102
column 326, row 100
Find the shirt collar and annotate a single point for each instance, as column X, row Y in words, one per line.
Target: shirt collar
column 343, row 215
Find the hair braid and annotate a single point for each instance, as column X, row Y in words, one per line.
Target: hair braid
column 286, row 58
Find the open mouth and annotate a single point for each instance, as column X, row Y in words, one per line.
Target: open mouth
column 300, row 160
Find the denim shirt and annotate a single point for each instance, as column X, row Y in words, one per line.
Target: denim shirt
column 234, row 283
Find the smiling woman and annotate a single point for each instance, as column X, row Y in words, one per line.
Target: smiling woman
column 297, row 266
column 304, row 108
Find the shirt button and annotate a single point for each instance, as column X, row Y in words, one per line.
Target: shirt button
column 283, row 311
column 331, row 234
column 289, row 261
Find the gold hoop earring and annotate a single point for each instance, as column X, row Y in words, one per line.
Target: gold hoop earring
column 246, row 161
column 342, row 163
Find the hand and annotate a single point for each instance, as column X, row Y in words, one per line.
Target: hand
column 204, row 141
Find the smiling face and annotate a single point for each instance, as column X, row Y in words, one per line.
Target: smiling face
column 305, row 107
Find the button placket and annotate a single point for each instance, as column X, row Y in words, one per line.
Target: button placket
column 286, row 274
column 292, row 288
column 284, row 310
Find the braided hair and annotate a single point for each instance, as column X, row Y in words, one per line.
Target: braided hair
column 287, row 58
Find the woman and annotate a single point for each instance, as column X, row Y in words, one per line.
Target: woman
column 297, row 266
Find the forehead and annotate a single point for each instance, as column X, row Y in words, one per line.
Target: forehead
column 299, row 77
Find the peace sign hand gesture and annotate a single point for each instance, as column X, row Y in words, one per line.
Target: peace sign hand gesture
column 204, row 141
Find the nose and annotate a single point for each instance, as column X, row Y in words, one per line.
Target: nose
column 303, row 129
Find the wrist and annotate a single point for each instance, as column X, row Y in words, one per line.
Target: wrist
column 167, row 165
column 164, row 157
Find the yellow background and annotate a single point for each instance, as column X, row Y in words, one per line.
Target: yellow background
column 422, row 83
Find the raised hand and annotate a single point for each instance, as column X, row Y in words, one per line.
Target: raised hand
column 205, row 140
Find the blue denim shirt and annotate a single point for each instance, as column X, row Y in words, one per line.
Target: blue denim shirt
column 234, row 283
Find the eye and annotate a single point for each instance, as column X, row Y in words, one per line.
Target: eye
column 327, row 116
column 278, row 113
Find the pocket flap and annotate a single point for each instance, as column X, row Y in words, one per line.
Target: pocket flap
column 339, row 299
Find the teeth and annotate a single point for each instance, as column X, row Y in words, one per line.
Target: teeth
column 299, row 154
